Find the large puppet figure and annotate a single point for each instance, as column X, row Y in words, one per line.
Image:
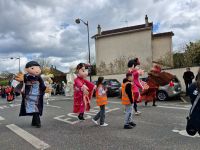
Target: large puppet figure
column 137, row 85
column 83, row 91
column 155, row 79
column 32, row 92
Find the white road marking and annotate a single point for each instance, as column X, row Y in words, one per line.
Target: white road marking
column 65, row 98
column 183, row 107
column 37, row 143
column 171, row 107
column 72, row 118
column 114, row 102
column 14, row 105
column 112, row 110
column 4, row 106
column 1, row 118
column 53, row 106
column 9, row 106
column 184, row 133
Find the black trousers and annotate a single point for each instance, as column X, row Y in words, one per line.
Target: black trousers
column 187, row 84
column 135, row 106
column 36, row 119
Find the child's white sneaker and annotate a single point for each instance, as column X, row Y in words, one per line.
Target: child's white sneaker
column 95, row 121
column 137, row 113
column 104, row 125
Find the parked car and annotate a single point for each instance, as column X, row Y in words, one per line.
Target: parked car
column 170, row 90
column 112, row 85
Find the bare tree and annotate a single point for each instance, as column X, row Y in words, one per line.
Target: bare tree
column 44, row 62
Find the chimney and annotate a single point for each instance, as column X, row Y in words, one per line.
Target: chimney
column 146, row 21
column 99, row 29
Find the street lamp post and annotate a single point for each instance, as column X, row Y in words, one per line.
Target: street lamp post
column 19, row 61
column 86, row 23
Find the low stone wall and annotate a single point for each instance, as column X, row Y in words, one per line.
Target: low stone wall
column 178, row 72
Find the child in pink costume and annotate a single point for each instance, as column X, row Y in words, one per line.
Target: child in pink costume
column 137, row 85
column 83, row 90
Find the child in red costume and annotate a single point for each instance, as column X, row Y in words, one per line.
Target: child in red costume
column 10, row 93
column 83, row 90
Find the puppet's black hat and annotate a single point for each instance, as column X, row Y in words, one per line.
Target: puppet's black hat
column 31, row 64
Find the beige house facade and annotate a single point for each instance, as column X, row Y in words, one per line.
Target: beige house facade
column 115, row 47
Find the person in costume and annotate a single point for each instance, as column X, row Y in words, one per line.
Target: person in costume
column 127, row 101
column 47, row 81
column 137, row 85
column 83, row 91
column 10, row 93
column 102, row 101
column 155, row 79
column 32, row 92
column 193, row 126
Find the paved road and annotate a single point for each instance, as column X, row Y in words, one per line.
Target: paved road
column 158, row 128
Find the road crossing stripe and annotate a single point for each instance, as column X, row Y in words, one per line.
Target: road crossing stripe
column 114, row 102
column 37, row 143
column 186, row 107
column 1, row 118
column 173, row 107
column 53, row 106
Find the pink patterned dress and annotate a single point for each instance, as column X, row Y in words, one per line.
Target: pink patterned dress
column 81, row 101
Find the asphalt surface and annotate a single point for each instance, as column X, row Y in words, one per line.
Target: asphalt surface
column 158, row 128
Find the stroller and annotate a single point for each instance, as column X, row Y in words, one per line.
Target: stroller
column 193, row 120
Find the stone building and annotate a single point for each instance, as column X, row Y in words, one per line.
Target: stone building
column 115, row 47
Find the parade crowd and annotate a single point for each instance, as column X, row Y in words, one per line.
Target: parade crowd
column 33, row 87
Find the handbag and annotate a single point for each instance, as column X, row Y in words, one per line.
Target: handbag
column 193, row 122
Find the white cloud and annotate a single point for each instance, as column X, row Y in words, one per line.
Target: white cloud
column 34, row 27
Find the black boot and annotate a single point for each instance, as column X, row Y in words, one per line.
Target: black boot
column 33, row 120
column 145, row 103
column 154, row 103
column 132, row 124
column 127, row 126
column 80, row 116
column 38, row 125
column 36, row 120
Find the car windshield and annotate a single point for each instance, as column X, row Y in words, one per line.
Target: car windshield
column 175, row 80
column 114, row 82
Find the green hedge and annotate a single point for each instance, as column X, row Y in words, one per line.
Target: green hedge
column 4, row 82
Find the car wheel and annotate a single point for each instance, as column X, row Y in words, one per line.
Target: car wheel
column 162, row 95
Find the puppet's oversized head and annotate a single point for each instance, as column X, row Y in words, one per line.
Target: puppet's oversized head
column 81, row 70
column 156, row 69
column 133, row 63
column 33, row 68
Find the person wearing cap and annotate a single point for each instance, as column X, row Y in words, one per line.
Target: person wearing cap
column 32, row 92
